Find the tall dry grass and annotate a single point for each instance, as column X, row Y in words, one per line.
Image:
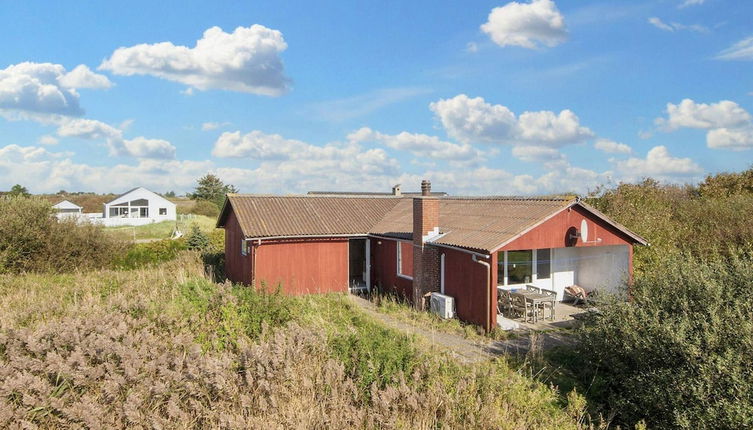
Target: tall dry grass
column 165, row 348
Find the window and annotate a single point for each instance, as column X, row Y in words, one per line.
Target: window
column 519, row 267
column 523, row 267
column 244, row 247
column 405, row 259
column 543, row 263
column 163, row 211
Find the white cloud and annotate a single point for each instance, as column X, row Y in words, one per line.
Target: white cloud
column 421, row 145
column 742, row 50
column 687, row 3
column 736, row 139
column 291, row 154
column 471, row 47
column 690, row 114
column 537, row 154
column 528, row 25
column 35, row 88
column 246, row 60
column 44, row 171
column 475, row 120
column 612, row 147
column 729, row 125
column 139, row 147
column 82, row 77
column 674, row 26
column 658, row 164
column 48, row 140
column 207, row 126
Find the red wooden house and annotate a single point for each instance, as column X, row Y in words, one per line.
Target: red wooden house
column 464, row 247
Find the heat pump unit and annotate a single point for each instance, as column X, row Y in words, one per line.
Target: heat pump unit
column 442, row 305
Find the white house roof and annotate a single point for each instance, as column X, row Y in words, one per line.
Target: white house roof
column 138, row 193
column 65, row 204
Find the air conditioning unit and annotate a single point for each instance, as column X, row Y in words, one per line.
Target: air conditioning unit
column 442, row 305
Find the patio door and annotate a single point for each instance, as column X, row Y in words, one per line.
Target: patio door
column 358, row 277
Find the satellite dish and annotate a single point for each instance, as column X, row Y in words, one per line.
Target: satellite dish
column 584, row 231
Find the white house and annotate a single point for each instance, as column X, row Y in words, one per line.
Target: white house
column 138, row 206
column 66, row 209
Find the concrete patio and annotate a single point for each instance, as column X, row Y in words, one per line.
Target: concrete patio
column 563, row 318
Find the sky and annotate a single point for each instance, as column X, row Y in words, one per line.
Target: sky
column 480, row 97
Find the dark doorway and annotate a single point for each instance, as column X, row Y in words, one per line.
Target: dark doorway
column 357, row 262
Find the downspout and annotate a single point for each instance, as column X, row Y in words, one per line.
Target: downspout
column 488, row 288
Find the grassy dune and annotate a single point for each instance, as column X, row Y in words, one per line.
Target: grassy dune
column 163, row 230
column 164, row 346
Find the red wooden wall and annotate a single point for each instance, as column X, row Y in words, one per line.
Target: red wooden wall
column 553, row 232
column 237, row 266
column 302, row 267
column 466, row 281
column 384, row 267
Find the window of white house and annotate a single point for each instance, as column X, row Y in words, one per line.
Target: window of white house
column 163, row 211
column 523, row 267
column 405, row 259
column 543, row 263
column 244, row 247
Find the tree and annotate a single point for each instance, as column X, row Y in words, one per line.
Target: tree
column 197, row 241
column 170, row 194
column 211, row 188
column 19, row 190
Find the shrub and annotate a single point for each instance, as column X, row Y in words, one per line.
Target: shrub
column 150, row 253
column 679, row 354
column 32, row 239
column 206, row 208
column 197, row 240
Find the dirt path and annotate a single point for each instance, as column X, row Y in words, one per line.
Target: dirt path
column 464, row 349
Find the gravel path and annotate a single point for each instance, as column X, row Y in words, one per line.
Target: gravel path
column 464, row 349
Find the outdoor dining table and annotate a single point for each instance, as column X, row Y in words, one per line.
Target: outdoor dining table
column 537, row 299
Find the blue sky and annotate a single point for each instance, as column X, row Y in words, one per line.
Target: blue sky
column 480, row 97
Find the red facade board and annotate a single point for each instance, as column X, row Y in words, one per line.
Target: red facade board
column 384, row 267
column 302, row 267
column 554, row 232
column 237, row 266
column 466, row 281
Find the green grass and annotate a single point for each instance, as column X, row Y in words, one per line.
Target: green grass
column 322, row 346
column 403, row 311
column 163, row 230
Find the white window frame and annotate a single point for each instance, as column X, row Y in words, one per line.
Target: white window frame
column 161, row 210
column 504, row 282
column 399, row 265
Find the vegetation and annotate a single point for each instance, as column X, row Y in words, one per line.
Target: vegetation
column 210, row 188
column 679, row 354
column 163, row 346
column 33, row 240
column 18, row 191
column 197, row 240
column 402, row 310
column 164, row 229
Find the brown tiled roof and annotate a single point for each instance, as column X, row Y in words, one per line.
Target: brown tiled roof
column 268, row 216
column 478, row 223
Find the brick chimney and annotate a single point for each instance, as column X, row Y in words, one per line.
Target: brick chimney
column 425, row 258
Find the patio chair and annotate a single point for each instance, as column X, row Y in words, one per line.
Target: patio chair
column 504, row 302
column 576, row 294
column 552, row 304
column 522, row 307
column 533, row 288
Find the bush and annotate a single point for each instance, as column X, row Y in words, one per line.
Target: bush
column 679, row 354
column 206, row 208
column 33, row 240
column 150, row 253
column 197, row 240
